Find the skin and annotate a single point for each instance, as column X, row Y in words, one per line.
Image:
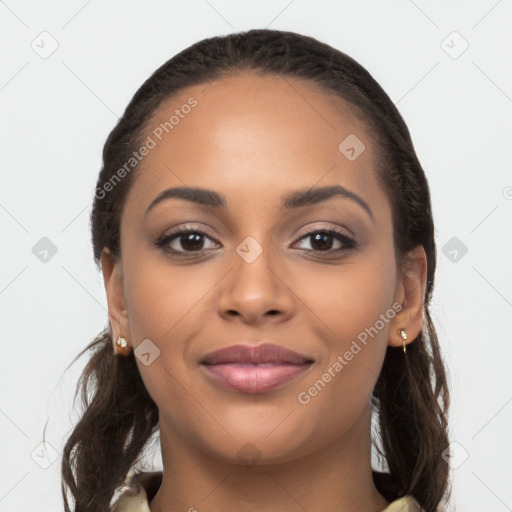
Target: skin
column 254, row 138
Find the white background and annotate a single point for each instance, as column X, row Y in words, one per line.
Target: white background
column 57, row 112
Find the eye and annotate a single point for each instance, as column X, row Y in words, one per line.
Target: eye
column 182, row 241
column 322, row 240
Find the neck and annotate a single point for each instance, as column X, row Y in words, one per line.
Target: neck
column 337, row 478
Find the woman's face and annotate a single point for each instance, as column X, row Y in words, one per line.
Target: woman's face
column 263, row 272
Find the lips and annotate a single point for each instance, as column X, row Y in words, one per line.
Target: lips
column 257, row 354
column 254, row 369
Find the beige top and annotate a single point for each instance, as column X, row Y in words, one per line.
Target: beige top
column 140, row 486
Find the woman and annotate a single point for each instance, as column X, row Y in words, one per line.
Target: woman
column 265, row 234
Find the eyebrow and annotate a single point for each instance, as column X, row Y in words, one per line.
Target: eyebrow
column 294, row 199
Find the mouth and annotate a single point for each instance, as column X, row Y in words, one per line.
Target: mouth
column 255, row 369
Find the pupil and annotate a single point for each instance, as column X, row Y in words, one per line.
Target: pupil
column 191, row 241
column 318, row 238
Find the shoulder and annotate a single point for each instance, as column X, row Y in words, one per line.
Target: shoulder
column 404, row 504
column 389, row 488
column 137, row 492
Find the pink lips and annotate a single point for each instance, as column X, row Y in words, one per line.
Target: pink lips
column 255, row 369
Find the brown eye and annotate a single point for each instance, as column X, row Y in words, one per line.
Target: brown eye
column 182, row 241
column 323, row 241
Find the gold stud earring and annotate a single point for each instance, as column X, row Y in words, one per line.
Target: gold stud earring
column 121, row 343
column 403, row 335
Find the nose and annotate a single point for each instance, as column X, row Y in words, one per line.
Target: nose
column 256, row 292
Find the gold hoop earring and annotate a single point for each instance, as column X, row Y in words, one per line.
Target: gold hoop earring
column 403, row 335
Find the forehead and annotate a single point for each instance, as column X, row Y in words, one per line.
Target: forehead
column 253, row 134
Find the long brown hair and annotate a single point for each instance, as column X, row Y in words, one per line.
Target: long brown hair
column 411, row 396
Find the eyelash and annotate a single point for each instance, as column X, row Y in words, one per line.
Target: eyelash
column 349, row 243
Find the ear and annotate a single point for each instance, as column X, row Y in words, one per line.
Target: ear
column 410, row 293
column 113, row 278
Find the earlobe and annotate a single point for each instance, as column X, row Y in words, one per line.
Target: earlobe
column 410, row 293
column 113, row 278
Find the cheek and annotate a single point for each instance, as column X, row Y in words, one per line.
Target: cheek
column 168, row 305
column 165, row 305
column 161, row 299
column 350, row 309
column 345, row 301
